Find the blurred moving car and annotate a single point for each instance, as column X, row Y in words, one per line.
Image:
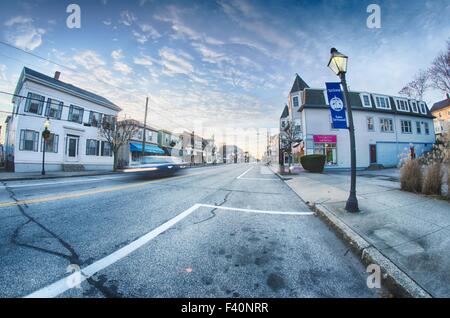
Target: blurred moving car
column 157, row 166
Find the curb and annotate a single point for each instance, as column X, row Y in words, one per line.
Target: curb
column 393, row 277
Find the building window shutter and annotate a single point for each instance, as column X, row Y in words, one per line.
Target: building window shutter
column 98, row 148
column 49, row 105
column 81, row 116
column 41, row 105
column 36, row 140
column 22, row 139
column 103, row 148
column 70, row 112
column 27, row 103
column 87, row 146
column 60, row 108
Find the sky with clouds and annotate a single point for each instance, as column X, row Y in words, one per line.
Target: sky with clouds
column 223, row 65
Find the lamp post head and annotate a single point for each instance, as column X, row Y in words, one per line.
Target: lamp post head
column 338, row 62
column 47, row 124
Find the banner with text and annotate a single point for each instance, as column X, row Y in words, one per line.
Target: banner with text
column 337, row 107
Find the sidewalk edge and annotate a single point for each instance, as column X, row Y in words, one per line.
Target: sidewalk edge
column 57, row 177
column 394, row 278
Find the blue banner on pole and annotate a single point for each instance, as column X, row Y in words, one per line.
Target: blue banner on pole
column 337, row 106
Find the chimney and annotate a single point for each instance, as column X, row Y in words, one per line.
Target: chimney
column 57, row 75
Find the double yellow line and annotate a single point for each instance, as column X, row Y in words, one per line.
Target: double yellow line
column 90, row 192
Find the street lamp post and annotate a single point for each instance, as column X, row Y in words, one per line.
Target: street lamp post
column 45, row 136
column 338, row 64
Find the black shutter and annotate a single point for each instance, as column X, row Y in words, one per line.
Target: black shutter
column 60, row 108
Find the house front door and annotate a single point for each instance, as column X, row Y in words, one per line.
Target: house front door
column 72, row 143
column 373, row 154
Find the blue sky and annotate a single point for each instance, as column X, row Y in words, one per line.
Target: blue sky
column 220, row 64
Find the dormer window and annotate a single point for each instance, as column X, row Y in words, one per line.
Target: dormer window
column 295, row 101
column 365, row 100
column 402, row 105
column 382, row 102
column 414, row 106
column 423, row 109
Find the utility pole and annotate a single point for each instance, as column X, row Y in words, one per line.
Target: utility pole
column 145, row 125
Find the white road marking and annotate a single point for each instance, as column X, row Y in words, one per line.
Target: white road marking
column 241, row 177
column 245, row 172
column 62, row 285
column 254, row 211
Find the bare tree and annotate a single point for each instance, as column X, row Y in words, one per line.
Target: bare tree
column 417, row 87
column 440, row 71
column 118, row 134
column 289, row 139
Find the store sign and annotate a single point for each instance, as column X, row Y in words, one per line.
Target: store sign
column 329, row 139
column 337, row 107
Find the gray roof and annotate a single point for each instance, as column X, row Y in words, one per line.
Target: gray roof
column 439, row 105
column 299, row 84
column 315, row 98
column 32, row 75
column 285, row 112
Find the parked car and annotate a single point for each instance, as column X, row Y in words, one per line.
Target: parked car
column 157, row 166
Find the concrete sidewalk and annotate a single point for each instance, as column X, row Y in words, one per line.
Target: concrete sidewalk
column 410, row 230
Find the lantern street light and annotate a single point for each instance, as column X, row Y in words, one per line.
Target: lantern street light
column 45, row 136
column 338, row 64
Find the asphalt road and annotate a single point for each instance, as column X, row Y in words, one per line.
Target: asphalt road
column 223, row 231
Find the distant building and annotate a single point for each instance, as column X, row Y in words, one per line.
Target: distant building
column 75, row 115
column 132, row 152
column 441, row 112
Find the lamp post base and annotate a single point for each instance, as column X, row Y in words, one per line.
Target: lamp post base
column 352, row 204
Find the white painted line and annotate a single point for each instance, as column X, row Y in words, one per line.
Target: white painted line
column 62, row 285
column 254, row 211
column 245, row 172
column 258, row 179
column 62, row 182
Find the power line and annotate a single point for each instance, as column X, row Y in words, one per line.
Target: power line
column 74, row 70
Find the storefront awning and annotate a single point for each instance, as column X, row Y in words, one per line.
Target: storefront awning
column 134, row 146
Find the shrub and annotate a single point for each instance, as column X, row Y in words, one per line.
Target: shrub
column 411, row 176
column 313, row 163
column 433, row 179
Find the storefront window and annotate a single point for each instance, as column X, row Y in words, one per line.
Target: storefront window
column 327, row 149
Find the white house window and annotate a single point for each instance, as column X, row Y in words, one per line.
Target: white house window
column 382, row 102
column 427, row 128
column 402, row 105
column 295, row 101
column 54, row 108
column 365, row 99
column 418, row 128
column 406, row 126
column 140, row 133
column 28, row 140
column 76, row 114
column 423, row 108
column 34, row 104
column 92, row 147
column 106, row 149
column 386, row 125
column 51, row 144
column 95, row 119
column 414, row 106
column 370, row 125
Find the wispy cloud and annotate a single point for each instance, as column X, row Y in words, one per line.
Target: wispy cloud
column 21, row 32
